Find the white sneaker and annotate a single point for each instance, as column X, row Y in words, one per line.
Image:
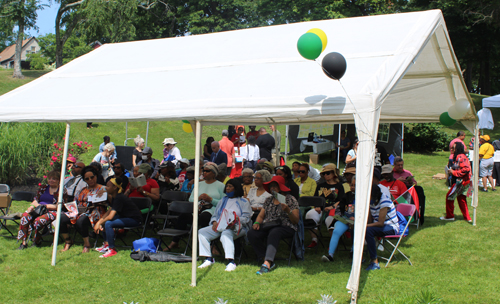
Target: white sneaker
column 230, row 267
column 206, row 264
column 447, row 219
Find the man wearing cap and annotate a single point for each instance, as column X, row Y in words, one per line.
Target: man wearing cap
column 218, row 156
column 228, row 147
column 486, row 162
column 167, row 177
column 266, row 143
column 181, row 173
column 170, row 152
column 395, row 186
column 147, row 158
column 75, row 183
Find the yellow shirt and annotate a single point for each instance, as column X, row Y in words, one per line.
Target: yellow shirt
column 486, row 150
column 308, row 188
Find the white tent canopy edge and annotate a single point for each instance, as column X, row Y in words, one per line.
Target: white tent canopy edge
column 409, row 74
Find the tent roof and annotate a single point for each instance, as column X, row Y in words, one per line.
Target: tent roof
column 402, row 62
column 491, row 102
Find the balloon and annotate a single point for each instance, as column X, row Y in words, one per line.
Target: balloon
column 463, row 106
column 185, row 121
column 187, row 128
column 309, row 46
column 454, row 113
column 321, row 36
column 446, row 120
column 334, row 65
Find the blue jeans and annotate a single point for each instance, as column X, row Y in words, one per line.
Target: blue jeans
column 117, row 222
column 371, row 233
column 339, row 229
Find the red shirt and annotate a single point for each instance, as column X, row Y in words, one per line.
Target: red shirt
column 150, row 184
column 253, row 133
column 396, row 187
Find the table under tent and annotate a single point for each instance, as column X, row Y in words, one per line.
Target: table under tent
column 400, row 68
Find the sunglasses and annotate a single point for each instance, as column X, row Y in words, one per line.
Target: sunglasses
column 302, row 171
column 117, row 167
column 89, row 178
column 207, row 171
column 280, row 168
column 76, row 166
column 326, row 173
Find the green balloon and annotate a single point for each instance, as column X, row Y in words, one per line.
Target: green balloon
column 446, row 120
column 309, row 46
column 185, row 121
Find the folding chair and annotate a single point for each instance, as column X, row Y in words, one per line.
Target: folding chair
column 145, row 205
column 406, row 210
column 181, row 208
column 165, row 198
column 313, row 201
column 17, row 196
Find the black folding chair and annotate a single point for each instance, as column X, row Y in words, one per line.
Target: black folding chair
column 180, row 208
column 17, row 196
column 165, row 199
column 145, row 205
column 313, row 201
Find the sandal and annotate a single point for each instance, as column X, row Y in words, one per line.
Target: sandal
column 67, row 245
column 86, row 249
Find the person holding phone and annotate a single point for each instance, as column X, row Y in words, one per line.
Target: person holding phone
column 277, row 219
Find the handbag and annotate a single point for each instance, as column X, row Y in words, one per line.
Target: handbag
column 458, row 189
column 38, row 211
column 203, row 205
column 270, row 225
column 229, row 219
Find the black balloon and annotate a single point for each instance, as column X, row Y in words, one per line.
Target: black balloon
column 334, row 65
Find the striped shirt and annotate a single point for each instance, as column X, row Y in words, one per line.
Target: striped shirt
column 391, row 218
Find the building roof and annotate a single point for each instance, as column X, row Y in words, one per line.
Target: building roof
column 10, row 51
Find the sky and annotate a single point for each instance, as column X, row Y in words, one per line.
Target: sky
column 46, row 19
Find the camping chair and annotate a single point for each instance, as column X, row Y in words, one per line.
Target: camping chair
column 313, row 201
column 145, row 205
column 17, row 196
column 165, row 198
column 181, row 208
column 406, row 210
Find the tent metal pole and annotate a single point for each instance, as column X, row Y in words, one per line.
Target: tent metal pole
column 286, row 144
column 475, row 161
column 60, row 197
column 126, row 133
column 402, row 138
column 147, row 134
column 195, row 203
column 338, row 151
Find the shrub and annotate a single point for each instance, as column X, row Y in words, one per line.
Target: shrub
column 425, row 137
column 25, row 149
column 37, row 61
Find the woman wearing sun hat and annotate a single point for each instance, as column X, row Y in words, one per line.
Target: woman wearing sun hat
column 171, row 152
column 281, row 220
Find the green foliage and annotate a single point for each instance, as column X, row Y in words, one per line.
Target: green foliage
column 24, row 149
column 75, row 46
column 425, row 137
column 37, row 61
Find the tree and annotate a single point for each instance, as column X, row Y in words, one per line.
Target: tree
column 75, row 46
column 23, row 14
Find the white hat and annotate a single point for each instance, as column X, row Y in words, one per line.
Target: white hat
column 386, row 169
column 169, row 141
column 185, row 161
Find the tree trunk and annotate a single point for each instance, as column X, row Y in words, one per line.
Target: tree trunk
column 19, row 46
column 59, row 43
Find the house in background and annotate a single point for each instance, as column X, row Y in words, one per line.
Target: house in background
column 7, row 56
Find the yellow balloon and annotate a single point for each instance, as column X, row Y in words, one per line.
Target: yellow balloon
column 187, row 128
column 321, row 36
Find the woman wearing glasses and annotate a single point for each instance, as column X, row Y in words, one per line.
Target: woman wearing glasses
column 307, row 185
column 211, row 191
column 93, row 210
column 333, row 191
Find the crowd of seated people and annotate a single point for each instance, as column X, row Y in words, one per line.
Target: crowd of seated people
column 252, row 192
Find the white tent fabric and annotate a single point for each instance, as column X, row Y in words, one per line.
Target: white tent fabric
column 400, row 68
column 485, row 119
column 491, row 102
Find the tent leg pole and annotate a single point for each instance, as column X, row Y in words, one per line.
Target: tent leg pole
column 60, row 198
column 402, row 138
column 126, row 133
column 286, row 144
column 338, row 148
column 475, row 174
column 147, row 134
column 195, row 203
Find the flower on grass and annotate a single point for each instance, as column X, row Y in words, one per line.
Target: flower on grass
column 51, row 163
column 45, row 176
column 85, row 142
column 39, row 184
column 54, row 158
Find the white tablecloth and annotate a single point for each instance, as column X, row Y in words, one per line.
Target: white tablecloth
column 318, row 148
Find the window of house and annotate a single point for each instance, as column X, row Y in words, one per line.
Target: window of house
column 33, row 49
column 383, row 132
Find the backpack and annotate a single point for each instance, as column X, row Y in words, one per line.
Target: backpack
column 402, row 224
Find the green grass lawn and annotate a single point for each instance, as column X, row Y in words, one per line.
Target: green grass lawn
column 454, row 261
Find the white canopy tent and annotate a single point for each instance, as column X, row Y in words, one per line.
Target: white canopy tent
column 400, row 68
column 491, row 102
